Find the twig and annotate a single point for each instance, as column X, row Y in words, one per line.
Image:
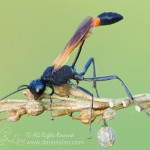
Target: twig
column 67, row 105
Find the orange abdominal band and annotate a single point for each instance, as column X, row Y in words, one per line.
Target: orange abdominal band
column 96, row 22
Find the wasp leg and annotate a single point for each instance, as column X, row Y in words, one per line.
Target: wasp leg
column 78, row 54
column 91, row 108
column 84, row 70
column 51, row 117
column 105, row 123
column 70, row 115
column 106, row 78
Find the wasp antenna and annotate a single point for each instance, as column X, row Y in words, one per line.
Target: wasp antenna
column 18, row 90
column 22, row 86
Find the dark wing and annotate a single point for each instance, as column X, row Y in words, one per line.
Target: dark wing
column 81, row 34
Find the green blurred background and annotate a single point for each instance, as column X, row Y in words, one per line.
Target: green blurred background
column 34, row 32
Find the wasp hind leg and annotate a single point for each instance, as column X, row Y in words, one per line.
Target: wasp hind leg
column 91, row 108
column 111, row 77
column 84, row 70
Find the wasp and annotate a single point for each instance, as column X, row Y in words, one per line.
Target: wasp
column 58, row 74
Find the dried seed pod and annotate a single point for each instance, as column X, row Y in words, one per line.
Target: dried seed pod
column 21, row 111
column 28, row 94
column 34, row 108
column 138, row 109
column 85, row 115
column 13, row 116
column 109, row 114
column 106, row 136
column 63, row 90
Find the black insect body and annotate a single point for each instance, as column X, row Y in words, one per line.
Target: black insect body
column 50, row 79
column 57, row 78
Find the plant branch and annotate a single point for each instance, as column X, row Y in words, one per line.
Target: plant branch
column 64, row 105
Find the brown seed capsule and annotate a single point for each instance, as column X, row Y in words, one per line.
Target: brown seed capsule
column 138, row 109
column 106, row 136
column 85, row 116
column 63, row 90
column 21, row 111
column 109, row 114
column 28, row 94
column 34, row 108
column 12, row 116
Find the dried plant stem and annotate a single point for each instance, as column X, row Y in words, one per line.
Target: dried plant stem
column 67, row 105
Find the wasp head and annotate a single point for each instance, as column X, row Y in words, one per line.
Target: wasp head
column 37, row 87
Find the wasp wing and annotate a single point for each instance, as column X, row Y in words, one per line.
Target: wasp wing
column 80, row 35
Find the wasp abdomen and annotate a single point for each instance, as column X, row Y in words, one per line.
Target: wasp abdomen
column 108, row 18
